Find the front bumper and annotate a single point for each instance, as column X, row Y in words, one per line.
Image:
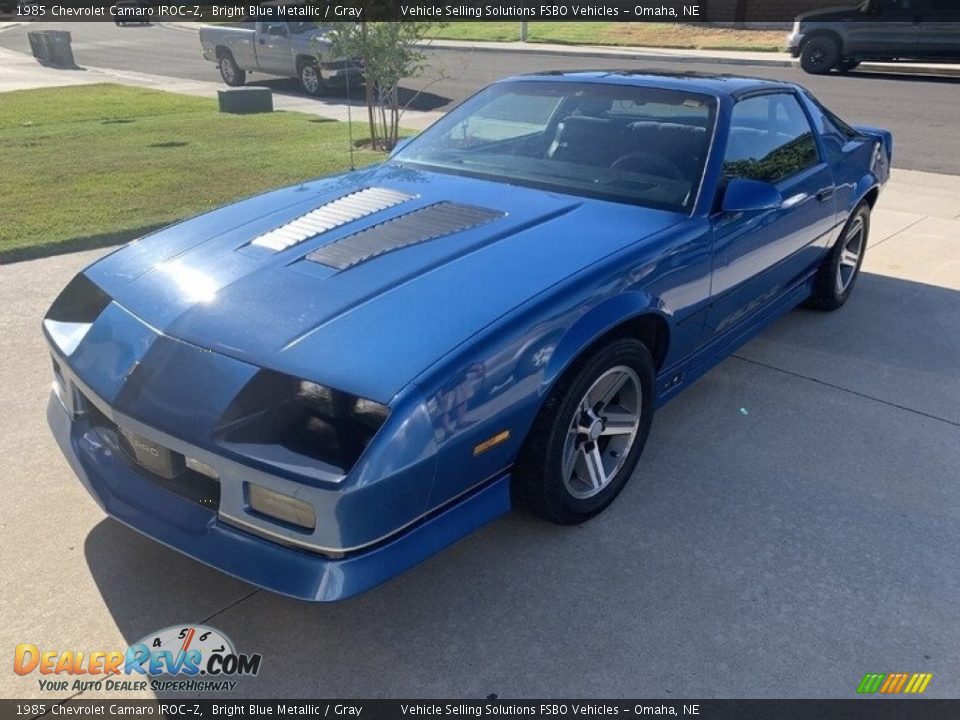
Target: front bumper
column 144, row 505
column 795, row 43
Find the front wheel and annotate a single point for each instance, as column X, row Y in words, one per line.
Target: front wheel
column 311, row 79
column 819, row 55
column 589, row 435
column 230, row 72
column 835, row 279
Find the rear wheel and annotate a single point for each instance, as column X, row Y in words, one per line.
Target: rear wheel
column 835, row 280
column 230, row 72
column 589, row 435
column 819, row 55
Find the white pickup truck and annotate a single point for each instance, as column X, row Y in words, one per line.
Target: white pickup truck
column 289, row 49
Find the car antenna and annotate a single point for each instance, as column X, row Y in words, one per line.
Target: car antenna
column 349, row 116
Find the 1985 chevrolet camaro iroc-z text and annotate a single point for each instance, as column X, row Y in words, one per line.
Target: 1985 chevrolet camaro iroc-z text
column 318, row 387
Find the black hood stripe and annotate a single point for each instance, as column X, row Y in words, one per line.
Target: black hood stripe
column 327, row 217
column 428, row 223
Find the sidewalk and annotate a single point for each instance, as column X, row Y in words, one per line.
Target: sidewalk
column 19, row 71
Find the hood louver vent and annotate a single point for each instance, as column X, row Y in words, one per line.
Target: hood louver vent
column 327, row 217
column 419, row 226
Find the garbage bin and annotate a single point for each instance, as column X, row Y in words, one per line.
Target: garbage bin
column 58, row 46
column 52, row 47
column 245, row 100
column 38, row 45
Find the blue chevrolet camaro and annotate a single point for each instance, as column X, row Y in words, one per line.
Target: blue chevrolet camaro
column 316, row 388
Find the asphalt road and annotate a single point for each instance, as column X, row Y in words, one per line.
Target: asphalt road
column 922, row 112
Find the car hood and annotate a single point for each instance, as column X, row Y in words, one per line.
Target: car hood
column 828, row 14
column 371, row 326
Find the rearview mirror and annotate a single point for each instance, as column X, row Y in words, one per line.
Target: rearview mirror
column 750, row 196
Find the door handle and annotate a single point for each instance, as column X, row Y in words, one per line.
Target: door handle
column 824, row 194
column 262, row 41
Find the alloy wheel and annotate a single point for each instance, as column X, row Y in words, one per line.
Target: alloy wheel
column 310, row 79
column 602, row 432
column 850, row 253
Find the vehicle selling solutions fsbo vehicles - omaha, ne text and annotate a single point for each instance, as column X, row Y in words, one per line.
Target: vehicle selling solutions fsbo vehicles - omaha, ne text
column 316, row 388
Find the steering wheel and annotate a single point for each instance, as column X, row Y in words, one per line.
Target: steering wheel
column 649, row 163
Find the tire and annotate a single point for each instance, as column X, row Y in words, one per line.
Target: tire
column 819, row 55
column 555, row 475
column 847, row 64
column 311, row 78
column 836, row 278
column 230, row 72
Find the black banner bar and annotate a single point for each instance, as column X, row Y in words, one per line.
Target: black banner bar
column 177, row 709
column 690, row 11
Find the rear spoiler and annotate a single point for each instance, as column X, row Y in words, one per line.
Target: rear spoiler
column 885, row 136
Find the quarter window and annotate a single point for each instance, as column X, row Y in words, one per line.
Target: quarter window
column 770, row 139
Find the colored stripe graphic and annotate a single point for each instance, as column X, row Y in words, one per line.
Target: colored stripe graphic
column 918, row 683
column 893, row 683
column 871, row 682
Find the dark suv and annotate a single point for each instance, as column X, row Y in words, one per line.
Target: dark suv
column 839, row 38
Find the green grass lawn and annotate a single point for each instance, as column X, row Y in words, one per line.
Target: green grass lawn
column 647, row 34
column 96, row 165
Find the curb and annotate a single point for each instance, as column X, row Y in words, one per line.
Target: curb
column 613, row 52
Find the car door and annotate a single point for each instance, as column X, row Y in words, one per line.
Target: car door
column 892, row 30
column 940, row 30
column 758, row 255
column 273, row 49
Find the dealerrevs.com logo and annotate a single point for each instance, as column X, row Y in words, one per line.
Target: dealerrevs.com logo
column 187, row 658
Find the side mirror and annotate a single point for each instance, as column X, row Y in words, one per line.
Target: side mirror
column 401, row 144
column 277, row 30
column 750, row 196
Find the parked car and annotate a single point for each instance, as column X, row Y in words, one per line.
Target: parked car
column 289, row 49
column 896, row 30
column 319, row 387
column 126, row 12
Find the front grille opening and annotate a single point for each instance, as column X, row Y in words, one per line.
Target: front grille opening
column 187, row 483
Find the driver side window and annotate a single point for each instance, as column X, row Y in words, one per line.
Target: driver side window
column 770, row 139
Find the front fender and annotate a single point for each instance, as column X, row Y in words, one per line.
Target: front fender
column 597, row 322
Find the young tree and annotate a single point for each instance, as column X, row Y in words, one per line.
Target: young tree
column 389, row 52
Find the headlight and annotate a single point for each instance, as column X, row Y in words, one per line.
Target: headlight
column 303, row 417
column 72, row 314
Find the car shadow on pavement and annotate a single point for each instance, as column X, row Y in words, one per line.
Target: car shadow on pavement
column 798, row 492
column 86, row 242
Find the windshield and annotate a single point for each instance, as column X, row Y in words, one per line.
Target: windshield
column 625, row 143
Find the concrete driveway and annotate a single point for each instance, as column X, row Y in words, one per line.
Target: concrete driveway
column 793, row 525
